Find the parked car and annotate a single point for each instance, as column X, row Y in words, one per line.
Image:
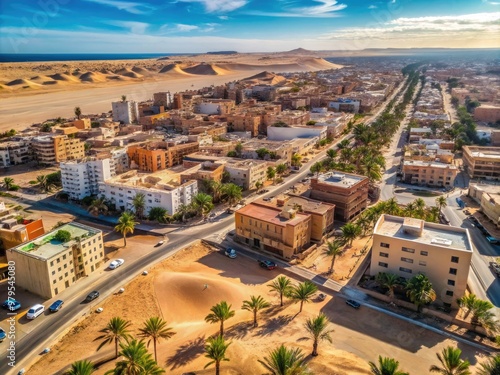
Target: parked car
column 231, row 253
column 92, row 296
column 353, row 303
column 11, row 304
column 496, row 268
column 116, row 263
column 267, row 264
column 492, row 240
column 35, row 311
column 56, row 306
column 160, row 243
column 2, row 335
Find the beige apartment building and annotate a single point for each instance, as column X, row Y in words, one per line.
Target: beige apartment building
column 246, row 173
column 429, row 173
column 482, row 162
column 46, row 267
column 407, row 247
column 283, row 231
column 488, row 196
column 347, row 191
column 51, row 149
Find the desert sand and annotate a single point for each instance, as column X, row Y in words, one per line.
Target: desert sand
column 34, row 92
column 175, row 290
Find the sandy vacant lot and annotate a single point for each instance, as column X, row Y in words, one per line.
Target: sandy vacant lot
column 175, row 291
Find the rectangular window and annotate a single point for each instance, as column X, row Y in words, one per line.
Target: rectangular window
column 402, row 269
column 449, row 293
column 424, row 253
column 451, row 282
column 407, row 260
column 422, row 263
column 408, row 250
column 383, row 244
column 453, row 271
column 382, row 264
column 384, row 255
column 454, row 259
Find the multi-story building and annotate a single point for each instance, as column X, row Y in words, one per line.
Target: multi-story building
column 482, row 162
column 126, row 111
column 51, row 149
column 345, row 105
column 407, row 247
column 206, row 171
column 14, row 232
column 429, row 173
column 14, row 152
column 214, row 106
column 81, row 179
column 285, row 232
column 287, row 133
column 487, row 113
column 46, row 267
column 281, row 150
column 156, row 156
column 488, row 196
column 246, row 173
column 349, row 193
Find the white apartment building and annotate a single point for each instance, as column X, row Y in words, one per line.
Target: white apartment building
column 81, row 179
column 291, row 132
column 14, row 152
column 126, row 112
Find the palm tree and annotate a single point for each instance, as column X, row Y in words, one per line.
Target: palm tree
column 420, row 207
column 139, row 202
column 214, row 188
column 270, row 173
column 183, row 210
column 281, row 168
column 467, row 303
column 331, row 154
column 156, row 328
column 389, row 281
column 491, row 367
column 44, row 183
column 8, row 182
column 215, row 349
column 158, row 214
column 349, row 233
column 316, row 168
column 441, row 202
column 296, row 160
column 116, row 329
column 136, row 360
column 78, row 112
column 97, row 206
column 303, row 292
column 84, row 367
column 220, row 313
column 126, row 224
column 283, row 286
column 124, row 98
column 391, row 207
column 254, row 305
column 451, row 364
column 343, row 144
column 203, row 202
column 317, row 329
column 386, row 366
column 283, row 361
column 334, row 249
column 419, row 290
column 232, row 193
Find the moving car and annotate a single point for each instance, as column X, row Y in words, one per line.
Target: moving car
column 11, row 304
column 160, row 243
column 56, row 306
column 492, row 240
column 116, row 263
column 34, row 311
column 2, row 335
column 353, row 303
column 92, row 296
column 267, row 264
column 231, row 253
column 496, row 268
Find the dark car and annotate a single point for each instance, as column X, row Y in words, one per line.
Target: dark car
column 268, row 264
column 353, row 303
column 11, row 304
column 92, row 296
column 56, row 306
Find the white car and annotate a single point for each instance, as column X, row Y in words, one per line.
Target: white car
column 231, row 253
column 116, row 263
column 35, row 311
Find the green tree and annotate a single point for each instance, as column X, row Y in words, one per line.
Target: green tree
column 296, row 160
column 281, row 168
column 215, row 349
column 491, row 367
column 158, row 214
column 220, row 313
column 116, row 329
column 203, row 203
column 139, row 203
column 303, row 292
column 441, row 202
column 232, row 193
column 262, row 152
column 155, row 328
column 62, row 236
column 334, row 249
column 389, row 281
column 84, row 367
column 467, row 303
column 136, row 360
column 258, row 185
column 8, row 183
column 283, row 286
column 78, row 112
column 238, row 149
column 350, row 232
column 386, row 366
column 316, row 168
column 270, row 173
column 451, row 363
column 391, row 207
column 98, row 206
column 317, row 329
column 284, row 361
column 126, row 224
column 419, row 290
column 44, row 183
column 255, row 304
column 124, row 98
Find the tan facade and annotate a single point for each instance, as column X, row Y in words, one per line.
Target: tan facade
column 495, row 138
column 159, row 155
column 245, row 122
column 482, row 162
column 349, row 193
column 487, row 113
column 205, row 171
column 46, row 268
column 13, row 234
column 490, row 206
column 57, row 148
column 246, row 173
column 283, row 232
column 429, row 173
column 407, row 247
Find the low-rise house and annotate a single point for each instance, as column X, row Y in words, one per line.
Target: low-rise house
column 482, row 162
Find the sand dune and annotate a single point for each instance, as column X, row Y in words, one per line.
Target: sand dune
column 63, row 77
column 24, row 83
column 92, row 77
column 40, row 78
column 142, row 71
column 265, row 77
column 128, row 73
column 202, row 69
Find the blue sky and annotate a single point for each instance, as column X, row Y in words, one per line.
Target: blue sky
column 171, row 26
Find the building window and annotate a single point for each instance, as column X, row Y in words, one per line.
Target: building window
column 407, row 260
column 384, row 255
column 449, row 293
column 422, row 263
column 451, row 282
column 454, row 259
column 60, row 278
column 52, row 263
column 383, row 244
column 402, row 269
column 53, row 272
column 54, row 281
column 453, row 271
column 408, row 250
column 64, row 257
column 65, row 274
column 58, row 260
column 424, row 253
column 382, row 264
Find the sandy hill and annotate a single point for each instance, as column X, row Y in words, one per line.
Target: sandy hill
column 128, row 73
column 203, row 69
column 63, row 77
column 299, row 51
column 93, row 77
column 264, row 77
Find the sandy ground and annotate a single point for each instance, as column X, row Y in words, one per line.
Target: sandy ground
column 175, row 291
column 33, row 92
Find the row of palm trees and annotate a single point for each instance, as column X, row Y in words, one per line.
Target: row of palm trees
column 42, row 181
column 220, row 192
column 480, row 312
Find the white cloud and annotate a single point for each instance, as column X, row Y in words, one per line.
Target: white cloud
column 131, row 7
column 218, row 6
column 183, row 28
column 372, row 7
column 327, row 9
column 132, row 26
column 223, row 17
column 491, row 2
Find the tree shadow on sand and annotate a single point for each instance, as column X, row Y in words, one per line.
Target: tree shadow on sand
column 186, row 353
column 274, row 324
column 239, row 330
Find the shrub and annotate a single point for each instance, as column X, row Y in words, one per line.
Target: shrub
column 62, row 235
column 14, row 188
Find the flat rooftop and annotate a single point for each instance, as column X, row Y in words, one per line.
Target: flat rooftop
column 489, row 187
column 341, row 179
column 46, row 247
column 432, row 234
column 308, row 205
column 483, row 152
column 434, row 164
column 270, row 214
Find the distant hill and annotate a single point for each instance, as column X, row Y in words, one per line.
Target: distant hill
column 299, row 51
column 222, row 53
